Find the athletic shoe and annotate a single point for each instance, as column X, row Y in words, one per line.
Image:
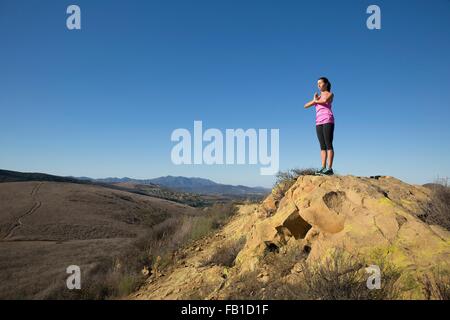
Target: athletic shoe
column 328, row 172
column 319, row 172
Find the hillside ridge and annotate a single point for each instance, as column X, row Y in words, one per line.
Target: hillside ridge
column 310, row 218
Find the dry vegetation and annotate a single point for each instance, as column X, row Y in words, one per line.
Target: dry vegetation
column 437, row 285
column 112, row 235
column 121, row 275
column 285, row 180
column 438, row 210
column 341, row 276
column 226, row 255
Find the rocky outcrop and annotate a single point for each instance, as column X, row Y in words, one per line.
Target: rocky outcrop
column 360, row 215
column 364, row 216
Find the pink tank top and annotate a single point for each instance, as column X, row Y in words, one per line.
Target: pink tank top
column 324, row 113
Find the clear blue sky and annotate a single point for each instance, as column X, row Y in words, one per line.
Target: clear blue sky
column 103, row 101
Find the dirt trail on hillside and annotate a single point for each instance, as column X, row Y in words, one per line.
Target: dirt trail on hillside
column 37, row 204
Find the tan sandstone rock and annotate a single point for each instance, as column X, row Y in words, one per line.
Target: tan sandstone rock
column 365, row 216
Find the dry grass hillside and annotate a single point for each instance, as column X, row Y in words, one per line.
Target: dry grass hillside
column 313, row 238
column 111, row 234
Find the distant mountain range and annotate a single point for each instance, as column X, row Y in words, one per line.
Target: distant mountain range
column 15, row 176
column 185, row 184
column 182, row 184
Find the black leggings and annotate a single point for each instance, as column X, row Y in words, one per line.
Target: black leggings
column 325, row 134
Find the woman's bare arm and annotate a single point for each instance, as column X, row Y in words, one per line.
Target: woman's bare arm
column 313, row 101
column 309, row 104
column 328, row 98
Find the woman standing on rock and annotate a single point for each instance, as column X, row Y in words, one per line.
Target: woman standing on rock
column 324, row 124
